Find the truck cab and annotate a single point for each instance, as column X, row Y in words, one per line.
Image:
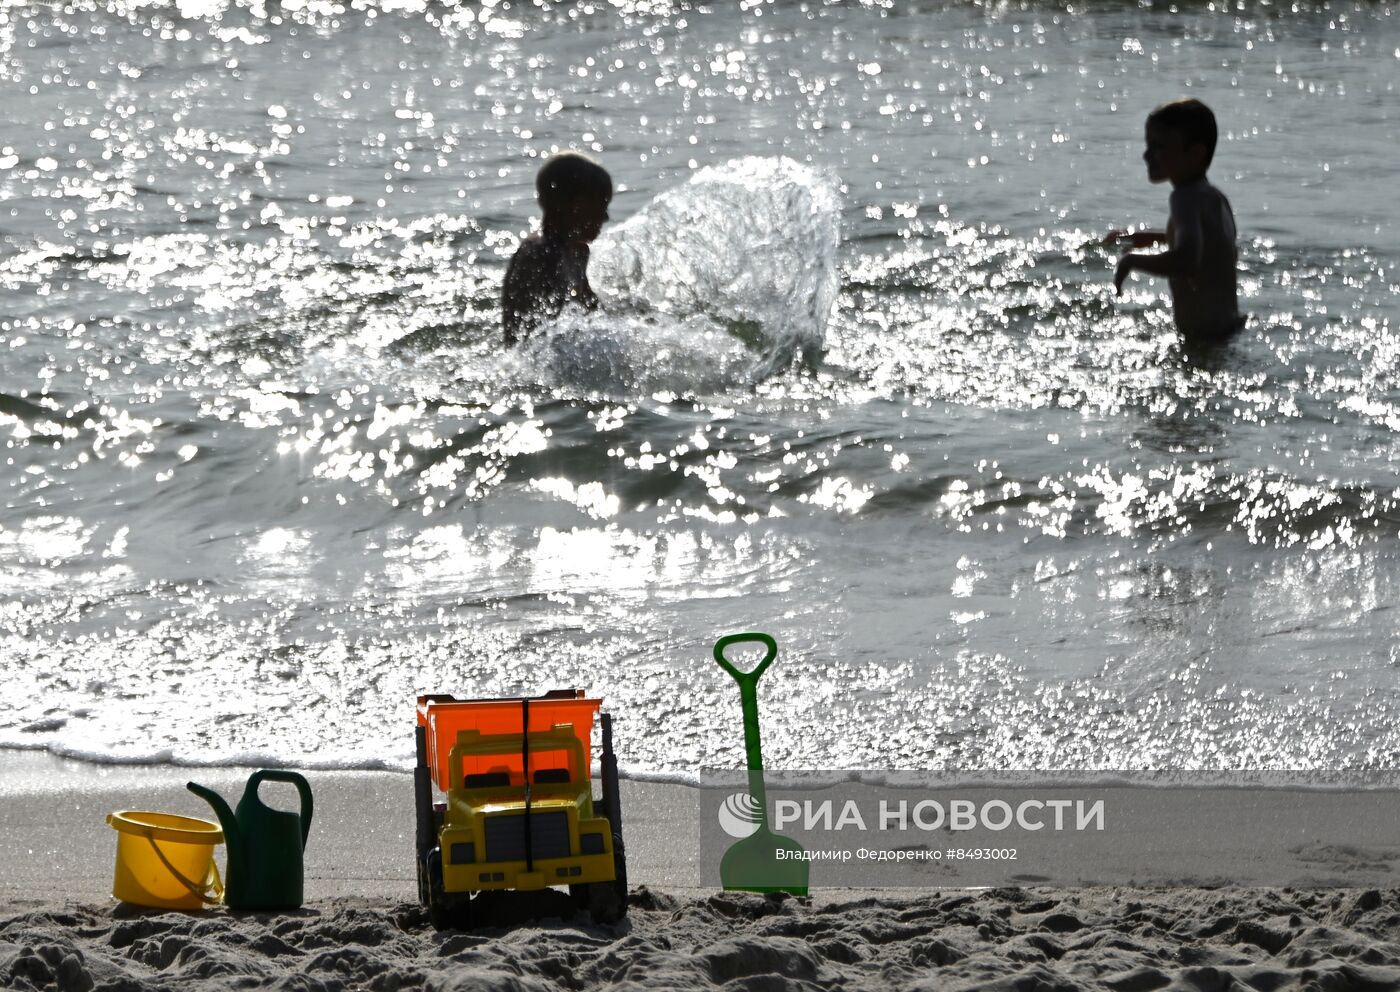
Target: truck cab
column 517, row 808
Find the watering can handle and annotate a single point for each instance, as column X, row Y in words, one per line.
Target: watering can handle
column 303, row 790
column 750, row 677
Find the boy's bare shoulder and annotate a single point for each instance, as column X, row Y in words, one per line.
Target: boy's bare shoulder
column 1198, row 195
column 536, row 252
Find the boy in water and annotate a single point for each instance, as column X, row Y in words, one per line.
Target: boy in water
column 550, row 268
column 1199, row 262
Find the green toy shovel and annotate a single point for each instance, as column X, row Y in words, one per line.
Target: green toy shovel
column 763, row 861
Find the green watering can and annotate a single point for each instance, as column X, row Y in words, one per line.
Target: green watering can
column 265, row 845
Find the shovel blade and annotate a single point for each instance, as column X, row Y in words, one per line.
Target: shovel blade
column 765, row 862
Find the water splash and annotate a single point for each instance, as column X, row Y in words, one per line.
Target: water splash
column 627, row 355
column 750, row 245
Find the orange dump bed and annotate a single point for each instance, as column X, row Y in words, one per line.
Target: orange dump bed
column 444, row 718
column 553, row 761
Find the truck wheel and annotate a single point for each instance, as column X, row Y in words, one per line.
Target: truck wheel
column 423, row 891
column 446, row 910
column 606, row 902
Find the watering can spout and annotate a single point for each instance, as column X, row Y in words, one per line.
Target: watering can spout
column 233, row 836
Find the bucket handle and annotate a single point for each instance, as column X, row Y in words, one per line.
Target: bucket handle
column 212, row 881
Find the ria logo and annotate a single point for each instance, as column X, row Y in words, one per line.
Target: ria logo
column 740, row 815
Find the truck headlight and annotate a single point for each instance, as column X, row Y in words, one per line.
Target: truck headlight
column 463, row 854
column 590, row 843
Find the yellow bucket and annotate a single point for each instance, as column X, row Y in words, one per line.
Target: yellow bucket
column 166, row 861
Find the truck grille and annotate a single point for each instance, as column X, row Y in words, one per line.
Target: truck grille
column 505, row 836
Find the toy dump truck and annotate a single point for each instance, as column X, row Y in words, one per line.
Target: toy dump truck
column 518, row 810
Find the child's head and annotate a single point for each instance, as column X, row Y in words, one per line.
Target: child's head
column 574, row 192
column 1180, row 141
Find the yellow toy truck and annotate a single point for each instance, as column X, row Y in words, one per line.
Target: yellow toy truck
column 518, row 810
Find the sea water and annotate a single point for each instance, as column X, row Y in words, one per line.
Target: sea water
column 861, row 382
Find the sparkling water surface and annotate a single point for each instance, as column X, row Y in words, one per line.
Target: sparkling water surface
column 863, row 383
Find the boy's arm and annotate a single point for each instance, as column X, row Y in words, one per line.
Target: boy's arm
column 585, row 296
column 510, row 320
column 1137, row 239
column 1184, row 255
column 513, row 302
column 582, row 292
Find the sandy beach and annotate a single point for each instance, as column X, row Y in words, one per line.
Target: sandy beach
column 1117, row 939
column 362, row 929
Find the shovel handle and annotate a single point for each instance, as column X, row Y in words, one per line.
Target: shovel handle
column 749, row 678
